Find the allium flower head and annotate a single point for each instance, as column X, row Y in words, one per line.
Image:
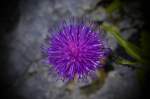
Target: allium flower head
column 75, row 48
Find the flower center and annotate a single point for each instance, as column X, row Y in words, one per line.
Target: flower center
column 74, row 49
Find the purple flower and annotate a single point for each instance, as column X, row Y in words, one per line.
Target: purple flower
column 76, row 48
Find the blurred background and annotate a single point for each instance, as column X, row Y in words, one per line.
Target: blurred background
column 24, row 25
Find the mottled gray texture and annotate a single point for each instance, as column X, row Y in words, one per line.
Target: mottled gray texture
column 120, row 84
column 31, row 76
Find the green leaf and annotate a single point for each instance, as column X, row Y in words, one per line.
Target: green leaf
column 123, row 61
column 130, row 48
column 115, row 5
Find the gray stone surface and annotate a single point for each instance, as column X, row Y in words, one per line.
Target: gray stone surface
column 31, row 76
column 120, row 84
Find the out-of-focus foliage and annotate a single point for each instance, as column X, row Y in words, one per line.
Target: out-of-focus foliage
column 97, row 84
column 123, row 61
column 130, row 48
column 145, row 39
column 115, row 5
column 140, row 54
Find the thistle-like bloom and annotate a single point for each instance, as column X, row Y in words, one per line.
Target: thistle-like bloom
column 75, row 49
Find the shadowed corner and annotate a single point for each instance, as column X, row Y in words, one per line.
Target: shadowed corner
column 8, row 21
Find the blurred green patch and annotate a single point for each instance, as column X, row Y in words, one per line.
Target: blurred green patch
column 92, row 87
column 115, row 5
column 96, row 85
column 130, row 48
column 141, row 55
column 123, row 61
column 145, row 40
